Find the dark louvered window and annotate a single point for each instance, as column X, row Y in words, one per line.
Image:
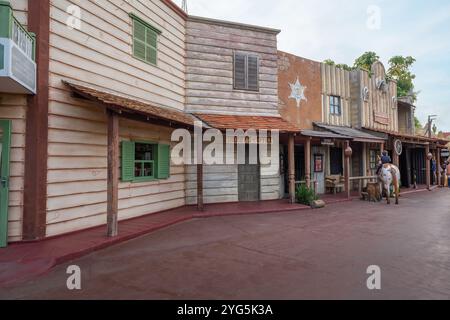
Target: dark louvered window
column 246, row 72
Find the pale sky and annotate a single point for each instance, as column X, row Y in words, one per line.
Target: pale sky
column 321, row 29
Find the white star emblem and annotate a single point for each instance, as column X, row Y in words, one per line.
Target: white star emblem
column 298, row 92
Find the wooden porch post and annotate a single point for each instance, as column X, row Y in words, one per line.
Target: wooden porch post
column 428, row 167
column 347, row 169
column 291, row 165
column 308, row 162
column 395, row 156
column 438, row 166
column 113, row 173
column 200, row 200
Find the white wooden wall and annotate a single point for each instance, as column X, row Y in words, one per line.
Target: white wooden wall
column 100, row 54
column 77, row 171
column 210, row 48
column 336, row 82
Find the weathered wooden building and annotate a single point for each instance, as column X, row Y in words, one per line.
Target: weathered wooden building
column 91, row 144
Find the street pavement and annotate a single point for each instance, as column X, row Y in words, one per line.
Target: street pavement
column 320, row 254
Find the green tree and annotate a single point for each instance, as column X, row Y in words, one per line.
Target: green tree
column 366, row 60
column 400, row 71
column 417, row 123
column 341, row 65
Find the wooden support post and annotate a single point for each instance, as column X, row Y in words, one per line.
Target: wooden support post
column 347, row 170
column 199, row 151
column 200, row 204
column 308, row 162
column 395, row 156
column 291, row 167
column 364, row 164
column 428, row 167
column 381, row 148
column 438, row 167
column 113, row 174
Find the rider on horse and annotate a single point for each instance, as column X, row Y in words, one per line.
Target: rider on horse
column 384, row 159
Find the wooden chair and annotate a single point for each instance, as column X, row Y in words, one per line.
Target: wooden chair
column 335, row 183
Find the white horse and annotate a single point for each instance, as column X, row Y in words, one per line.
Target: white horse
column 390, row 175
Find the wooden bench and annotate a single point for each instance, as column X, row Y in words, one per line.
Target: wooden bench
column 335, row 183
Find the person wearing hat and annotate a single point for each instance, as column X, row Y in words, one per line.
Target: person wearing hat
column 385, row 158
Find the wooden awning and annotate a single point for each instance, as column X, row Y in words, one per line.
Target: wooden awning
column 123, row 104
column 409, row 138
column 324, row 135
column 350, row 133
column 224, row 122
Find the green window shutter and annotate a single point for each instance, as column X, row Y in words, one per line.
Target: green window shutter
column 128, row 159
column 139, row 40
column 151, row 41
column 163, row 161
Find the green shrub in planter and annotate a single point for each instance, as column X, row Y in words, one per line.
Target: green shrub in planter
column 305, row 195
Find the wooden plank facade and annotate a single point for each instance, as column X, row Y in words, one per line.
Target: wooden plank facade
column 211, row 47
column 196, row 72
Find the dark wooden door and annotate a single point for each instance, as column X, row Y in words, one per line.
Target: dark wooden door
column 419, row 165
column 336, row 162
column 249, row 180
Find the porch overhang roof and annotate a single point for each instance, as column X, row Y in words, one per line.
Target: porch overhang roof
column 409, row 138
column 122, row 104
column 351, row 133
column 223, row 122
column 324, row 135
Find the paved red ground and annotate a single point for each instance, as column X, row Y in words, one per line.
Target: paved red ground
column 305, row 255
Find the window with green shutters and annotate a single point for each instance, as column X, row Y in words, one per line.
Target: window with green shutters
column 145, row 40
column 144, row 161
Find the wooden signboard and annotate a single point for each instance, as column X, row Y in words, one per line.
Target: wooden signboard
column 381, row 117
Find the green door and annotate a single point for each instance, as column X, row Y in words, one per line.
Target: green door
column 5, row 142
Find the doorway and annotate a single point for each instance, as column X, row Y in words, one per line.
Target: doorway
column 336, row 161
column 249, row 178
column 5, row 144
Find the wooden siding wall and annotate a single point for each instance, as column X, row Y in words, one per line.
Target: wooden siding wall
column 209, row 63
column 220, row 183
column 20, row 8
column 100, row 54
column 77, row 170
column 336, row 82
column 405, row 120
column 380, row 102
column 14, row 107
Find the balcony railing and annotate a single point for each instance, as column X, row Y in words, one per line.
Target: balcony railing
column 11, row 28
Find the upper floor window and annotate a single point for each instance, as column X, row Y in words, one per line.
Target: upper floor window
column 145, row 40
column 335, row 105
column 246, row 72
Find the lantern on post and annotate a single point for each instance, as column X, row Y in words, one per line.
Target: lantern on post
column 348, row 152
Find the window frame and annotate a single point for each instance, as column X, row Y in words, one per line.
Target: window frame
column 143, row 162
column 247, row 55
column 148, row 27
column 333, row 105
column 373, row 153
